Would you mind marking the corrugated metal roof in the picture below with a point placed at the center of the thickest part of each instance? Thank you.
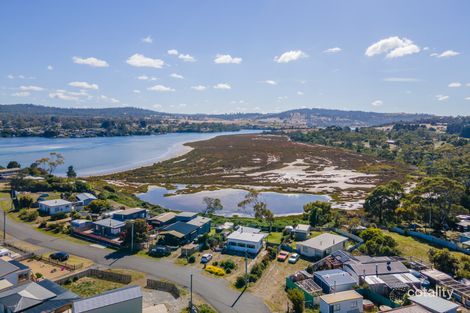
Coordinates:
(85, 196)
(341, 296)
(107, 299)
(54, 203)
(323, 241)
(435, 304)
(336, 276)
(110, 222)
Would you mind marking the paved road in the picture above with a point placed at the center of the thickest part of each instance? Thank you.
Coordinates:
(216, 292)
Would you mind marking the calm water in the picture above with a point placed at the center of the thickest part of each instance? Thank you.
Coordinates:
(278, 203)
(101, 155)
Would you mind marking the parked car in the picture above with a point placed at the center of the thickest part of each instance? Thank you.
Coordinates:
(282, 256)
(293, 258)
(206, 258)
(159, 251)
(59, 256)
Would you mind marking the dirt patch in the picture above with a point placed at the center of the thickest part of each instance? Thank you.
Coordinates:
(47, 270)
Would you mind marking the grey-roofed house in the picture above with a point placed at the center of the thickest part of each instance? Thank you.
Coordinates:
(435, 304)
(86, 198)
(334, 280)
(13, 272)
(45, 296)
(203, 224)
(108, 227)
(301, 232)
(360, 270)
(179, 233)
(130, 214)
(53, 207)
(412, 308)
(322, 245)
(185, 216)
(162, 219)
(123, 300)
(242, 241)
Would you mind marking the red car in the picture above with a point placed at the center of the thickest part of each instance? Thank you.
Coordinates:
(282, 256)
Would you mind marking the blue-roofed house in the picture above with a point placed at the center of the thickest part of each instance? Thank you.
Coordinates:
(85, 198)
(334, 280)
(123, 300)
(435, 304)
(179, 233)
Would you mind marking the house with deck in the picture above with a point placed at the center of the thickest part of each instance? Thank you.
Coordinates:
(53, 207)
(245, 241)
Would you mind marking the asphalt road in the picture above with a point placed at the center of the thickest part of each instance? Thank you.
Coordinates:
(217, 292)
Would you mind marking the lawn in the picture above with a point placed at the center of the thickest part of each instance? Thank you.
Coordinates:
(274, 237)
(89, 286)
(5, 201)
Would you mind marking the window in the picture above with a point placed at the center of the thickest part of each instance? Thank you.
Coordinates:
(354, 304)
(250, 246)
(337, 307)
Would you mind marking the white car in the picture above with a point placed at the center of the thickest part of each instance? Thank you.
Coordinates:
(206, 258)
(293, 258)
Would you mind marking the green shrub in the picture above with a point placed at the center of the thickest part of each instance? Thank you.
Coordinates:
(192, 259)
(297, 298)
(228, 264)
(240, 282)
(28, 215)
(38, 275)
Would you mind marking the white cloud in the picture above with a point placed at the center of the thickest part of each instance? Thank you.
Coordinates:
(84, 85)
(147, 39)
(467, 98)
(21, 94)
(333, 50)
(186, 58)
(445, 54)
(31, 88)
(401, 79)
(393, 47)
(136, 91)
(145, 77)
(455, 85)
(172, 52)
(91, 61)
(290, 56)
(441, 97)
(50, 67)
(270, 82)
(377, 103)
(156, 106)
(139, 60)
(62, 95)
(10, 76)
(109, 99)
(300, 93)
(199, 87)
(160, 88)
(227, 59)
(177, 76)
(222, 86)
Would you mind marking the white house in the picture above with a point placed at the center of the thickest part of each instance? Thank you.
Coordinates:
(321, 246)
(52, 207)
(242, 241)
(13, 273)
(341, 302)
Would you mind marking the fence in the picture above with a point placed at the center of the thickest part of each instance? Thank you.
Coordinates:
(71, 267)
(163, 286)
(431, 239)
(96, 273)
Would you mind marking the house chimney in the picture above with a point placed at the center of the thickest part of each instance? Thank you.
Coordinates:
(377, 270)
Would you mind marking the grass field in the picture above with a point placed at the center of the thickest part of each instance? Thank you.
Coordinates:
(89, 286)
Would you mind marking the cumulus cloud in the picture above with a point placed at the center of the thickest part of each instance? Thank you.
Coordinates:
(222, 86)
(109, 99)
(157, 106)
(177, 76)
(377, 103)
(446, 54)
(441, 97)
(50, 67)
(136, 91)
(84, 85)
(139, 60)
(300, 93)
(393, 47)
(172, 52)
(199, 88)
(401, 79)
(455, 85)
(186, 58)
(227, 59)
(333, 50)
(147, 39)
(62, 95)
(270, 82)
(31, 88)
(160, 88)
(91, 61)
(467, 98)
(145, 77)
(21, 94)
(290, 56)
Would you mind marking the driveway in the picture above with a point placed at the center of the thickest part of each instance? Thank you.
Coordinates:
(217, 292)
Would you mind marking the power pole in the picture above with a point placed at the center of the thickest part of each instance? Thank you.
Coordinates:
(132, 236)
(246, 269)
(191, 293)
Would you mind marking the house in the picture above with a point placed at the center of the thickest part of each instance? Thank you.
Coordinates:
(185, 216)
(123, 300)
(13, 273)
(463, 225)
(202, 223)
(179, 233)
(246, 229)
(130, 214)
(8, 173)
(53, 207)
(413, 308)
(385, 284)
(321, 246)
(341, 302)
(335, 280)
(303, 281)
(108, 227)
(85, 198)
(162, 219)
(301, 232)
(242, 241)
(44, 296)
(435, 304)
(362, 270)
(81, 224)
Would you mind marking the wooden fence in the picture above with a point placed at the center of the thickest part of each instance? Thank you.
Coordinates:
(163, 286)
(96, 273)
(70, 267)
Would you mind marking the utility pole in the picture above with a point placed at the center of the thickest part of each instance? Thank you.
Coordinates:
(246, 269)
(191, 293)
(132, 236)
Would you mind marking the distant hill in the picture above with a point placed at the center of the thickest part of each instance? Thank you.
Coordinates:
(293, 118)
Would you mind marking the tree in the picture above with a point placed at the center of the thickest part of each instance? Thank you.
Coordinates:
(13, 164)
(52, 162)
(384, 200)
(212, 205)
(138, 236)
(71, 172)
(443, 260)
(297, 298)
(318, 212)
(378, 244)
(98, 206)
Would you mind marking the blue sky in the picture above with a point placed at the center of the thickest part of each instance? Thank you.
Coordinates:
(238, 56)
